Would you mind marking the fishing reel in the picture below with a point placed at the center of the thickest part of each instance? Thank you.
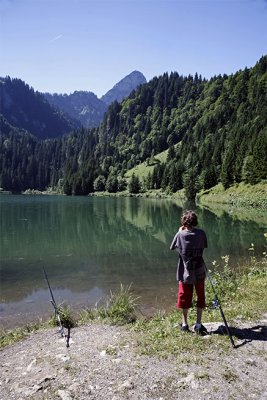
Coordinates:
(215, 304)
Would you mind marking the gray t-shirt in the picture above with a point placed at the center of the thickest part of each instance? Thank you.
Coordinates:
(190, 245)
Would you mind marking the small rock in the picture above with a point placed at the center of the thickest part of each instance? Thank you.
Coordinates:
(126, 385)
(31, 364)
(93, 388)
(46, 379)
(194, 384)
(189, 378)
(62, 357)
(74, 387)
(251, 362)
(30, 392)
(116, 360)
(64, 395)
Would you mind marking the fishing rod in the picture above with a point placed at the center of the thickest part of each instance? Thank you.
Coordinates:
(56, 309)
(216, 303)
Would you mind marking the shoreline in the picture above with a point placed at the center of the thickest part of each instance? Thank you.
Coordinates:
(239, 195)
(243, 196)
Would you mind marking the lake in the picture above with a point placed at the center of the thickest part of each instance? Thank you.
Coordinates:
(90, 245)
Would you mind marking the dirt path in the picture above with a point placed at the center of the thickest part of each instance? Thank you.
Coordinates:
(102, 362)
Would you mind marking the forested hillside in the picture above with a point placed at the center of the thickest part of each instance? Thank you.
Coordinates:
(215, 131)
(27, 109)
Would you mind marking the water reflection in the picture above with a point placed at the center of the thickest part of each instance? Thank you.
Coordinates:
(87, 243)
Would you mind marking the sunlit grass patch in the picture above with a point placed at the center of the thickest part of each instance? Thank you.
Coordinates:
(161, 336)
(119, 309)
(240, 194)
(251, 296)
(10, 336)
(242, 294)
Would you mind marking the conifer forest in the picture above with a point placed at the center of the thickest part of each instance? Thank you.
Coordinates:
(213, 131)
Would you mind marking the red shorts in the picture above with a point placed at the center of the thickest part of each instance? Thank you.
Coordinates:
(185, 294)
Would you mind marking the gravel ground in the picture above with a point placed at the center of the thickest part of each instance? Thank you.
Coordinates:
(104, 362)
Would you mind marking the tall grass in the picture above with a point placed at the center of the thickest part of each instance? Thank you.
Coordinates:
(120, 308)
(66, 316)
(8, 337)
(241, 194)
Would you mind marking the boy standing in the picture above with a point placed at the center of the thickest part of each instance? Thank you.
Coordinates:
(190, 242)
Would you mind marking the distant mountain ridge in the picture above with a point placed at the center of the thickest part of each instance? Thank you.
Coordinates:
(83, 106)
(47, 115)
(87, 108)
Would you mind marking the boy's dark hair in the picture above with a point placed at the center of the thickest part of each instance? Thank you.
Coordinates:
(189, 218)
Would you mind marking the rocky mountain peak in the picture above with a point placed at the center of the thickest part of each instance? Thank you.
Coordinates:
(124, 87)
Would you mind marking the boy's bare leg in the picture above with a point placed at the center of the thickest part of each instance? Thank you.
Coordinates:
(199, 315)
(184, 317)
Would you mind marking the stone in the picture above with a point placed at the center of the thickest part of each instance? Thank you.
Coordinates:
(128, 385)
(31, 364)
(64, 395)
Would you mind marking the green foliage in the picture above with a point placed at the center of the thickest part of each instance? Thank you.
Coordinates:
(191, 183)
(112, 183)
(99, 183)
(247, 170)
(134, 185)
(8, 337)
(120, 308)
(209, 178)
(162, 336)
(225, 282)
(30, 110)
(122, 184)
(239, 195)
(66, 317)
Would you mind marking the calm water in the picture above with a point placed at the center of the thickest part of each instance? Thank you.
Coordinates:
(91, 245)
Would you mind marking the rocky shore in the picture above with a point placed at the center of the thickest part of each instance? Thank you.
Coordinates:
(105, 362)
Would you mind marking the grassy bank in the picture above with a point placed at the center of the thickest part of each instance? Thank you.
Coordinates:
(243, 298)
(241, 194)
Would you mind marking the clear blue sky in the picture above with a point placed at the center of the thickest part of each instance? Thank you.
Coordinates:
(66, 45)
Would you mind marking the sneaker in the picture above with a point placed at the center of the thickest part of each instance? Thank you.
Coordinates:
(201, 330)
(184, 328)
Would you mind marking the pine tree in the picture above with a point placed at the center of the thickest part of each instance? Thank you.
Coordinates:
(134, 184)
(191, 183)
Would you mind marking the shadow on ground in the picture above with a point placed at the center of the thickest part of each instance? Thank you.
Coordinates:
(258, 332)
